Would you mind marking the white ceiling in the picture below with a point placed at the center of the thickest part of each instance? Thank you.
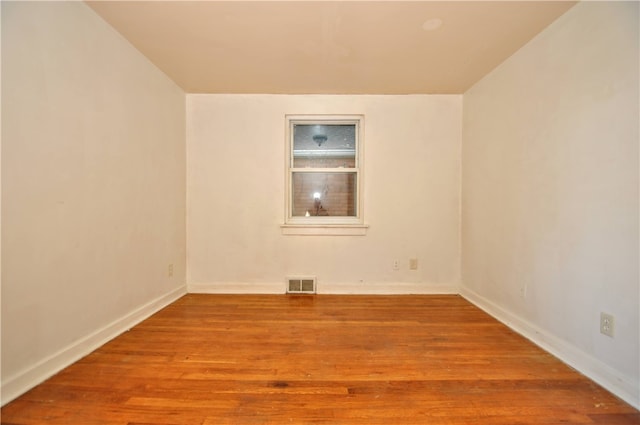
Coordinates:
(328, 47)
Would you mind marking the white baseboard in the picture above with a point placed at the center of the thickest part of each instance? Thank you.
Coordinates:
(20, 383)
(237, 288)
(386, 288)
(603, 374)
(349, 288)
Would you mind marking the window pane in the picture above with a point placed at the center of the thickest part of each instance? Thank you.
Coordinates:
(324, 145)
(324, 194)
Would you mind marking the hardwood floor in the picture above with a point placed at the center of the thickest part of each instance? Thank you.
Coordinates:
(277, 359)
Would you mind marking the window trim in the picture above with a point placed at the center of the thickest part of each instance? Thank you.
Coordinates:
(324, 225)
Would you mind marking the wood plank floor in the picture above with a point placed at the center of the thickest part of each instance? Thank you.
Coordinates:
(277, 359)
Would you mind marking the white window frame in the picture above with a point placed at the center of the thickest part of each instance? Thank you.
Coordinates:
(328, 225)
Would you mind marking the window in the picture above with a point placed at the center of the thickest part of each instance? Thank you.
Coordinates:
(324, 175)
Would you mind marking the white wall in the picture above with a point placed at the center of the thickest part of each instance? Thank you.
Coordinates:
(550, 191)
(235, 190)
(93, 187)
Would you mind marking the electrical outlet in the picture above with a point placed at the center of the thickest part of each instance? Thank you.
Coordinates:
(170, 270)
(606, 324)
(523, 291)
(396, 265)
(413, 264)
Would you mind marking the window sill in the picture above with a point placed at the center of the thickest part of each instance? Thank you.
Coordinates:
(325, 229)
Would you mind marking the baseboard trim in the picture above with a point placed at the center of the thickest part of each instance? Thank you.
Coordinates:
(386, 288)
(596, 370)
(237, 288)
(349, 288)
(22, 382)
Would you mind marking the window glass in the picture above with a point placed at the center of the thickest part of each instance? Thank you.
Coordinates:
(324, 195)
(324, 145)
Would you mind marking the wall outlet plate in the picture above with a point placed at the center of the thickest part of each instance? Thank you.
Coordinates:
(413, 264)
(606, 324)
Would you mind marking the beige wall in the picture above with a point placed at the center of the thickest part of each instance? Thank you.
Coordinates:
(550, 190)
(93, 187)
(235, 187)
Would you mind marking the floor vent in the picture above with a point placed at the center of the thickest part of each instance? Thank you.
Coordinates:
(301, 285)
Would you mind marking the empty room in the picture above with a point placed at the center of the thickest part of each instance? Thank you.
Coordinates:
(320, 212)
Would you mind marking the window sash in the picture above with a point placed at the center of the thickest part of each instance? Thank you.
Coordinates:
(328, 194)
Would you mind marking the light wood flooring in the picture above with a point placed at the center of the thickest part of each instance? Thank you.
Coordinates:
(278, 359)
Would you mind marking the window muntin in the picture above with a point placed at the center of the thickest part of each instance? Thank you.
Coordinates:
(324, 170)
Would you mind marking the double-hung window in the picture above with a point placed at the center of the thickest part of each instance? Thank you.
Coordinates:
(324, 175)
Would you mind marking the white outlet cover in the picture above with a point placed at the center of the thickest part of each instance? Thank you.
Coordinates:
(606, 324)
